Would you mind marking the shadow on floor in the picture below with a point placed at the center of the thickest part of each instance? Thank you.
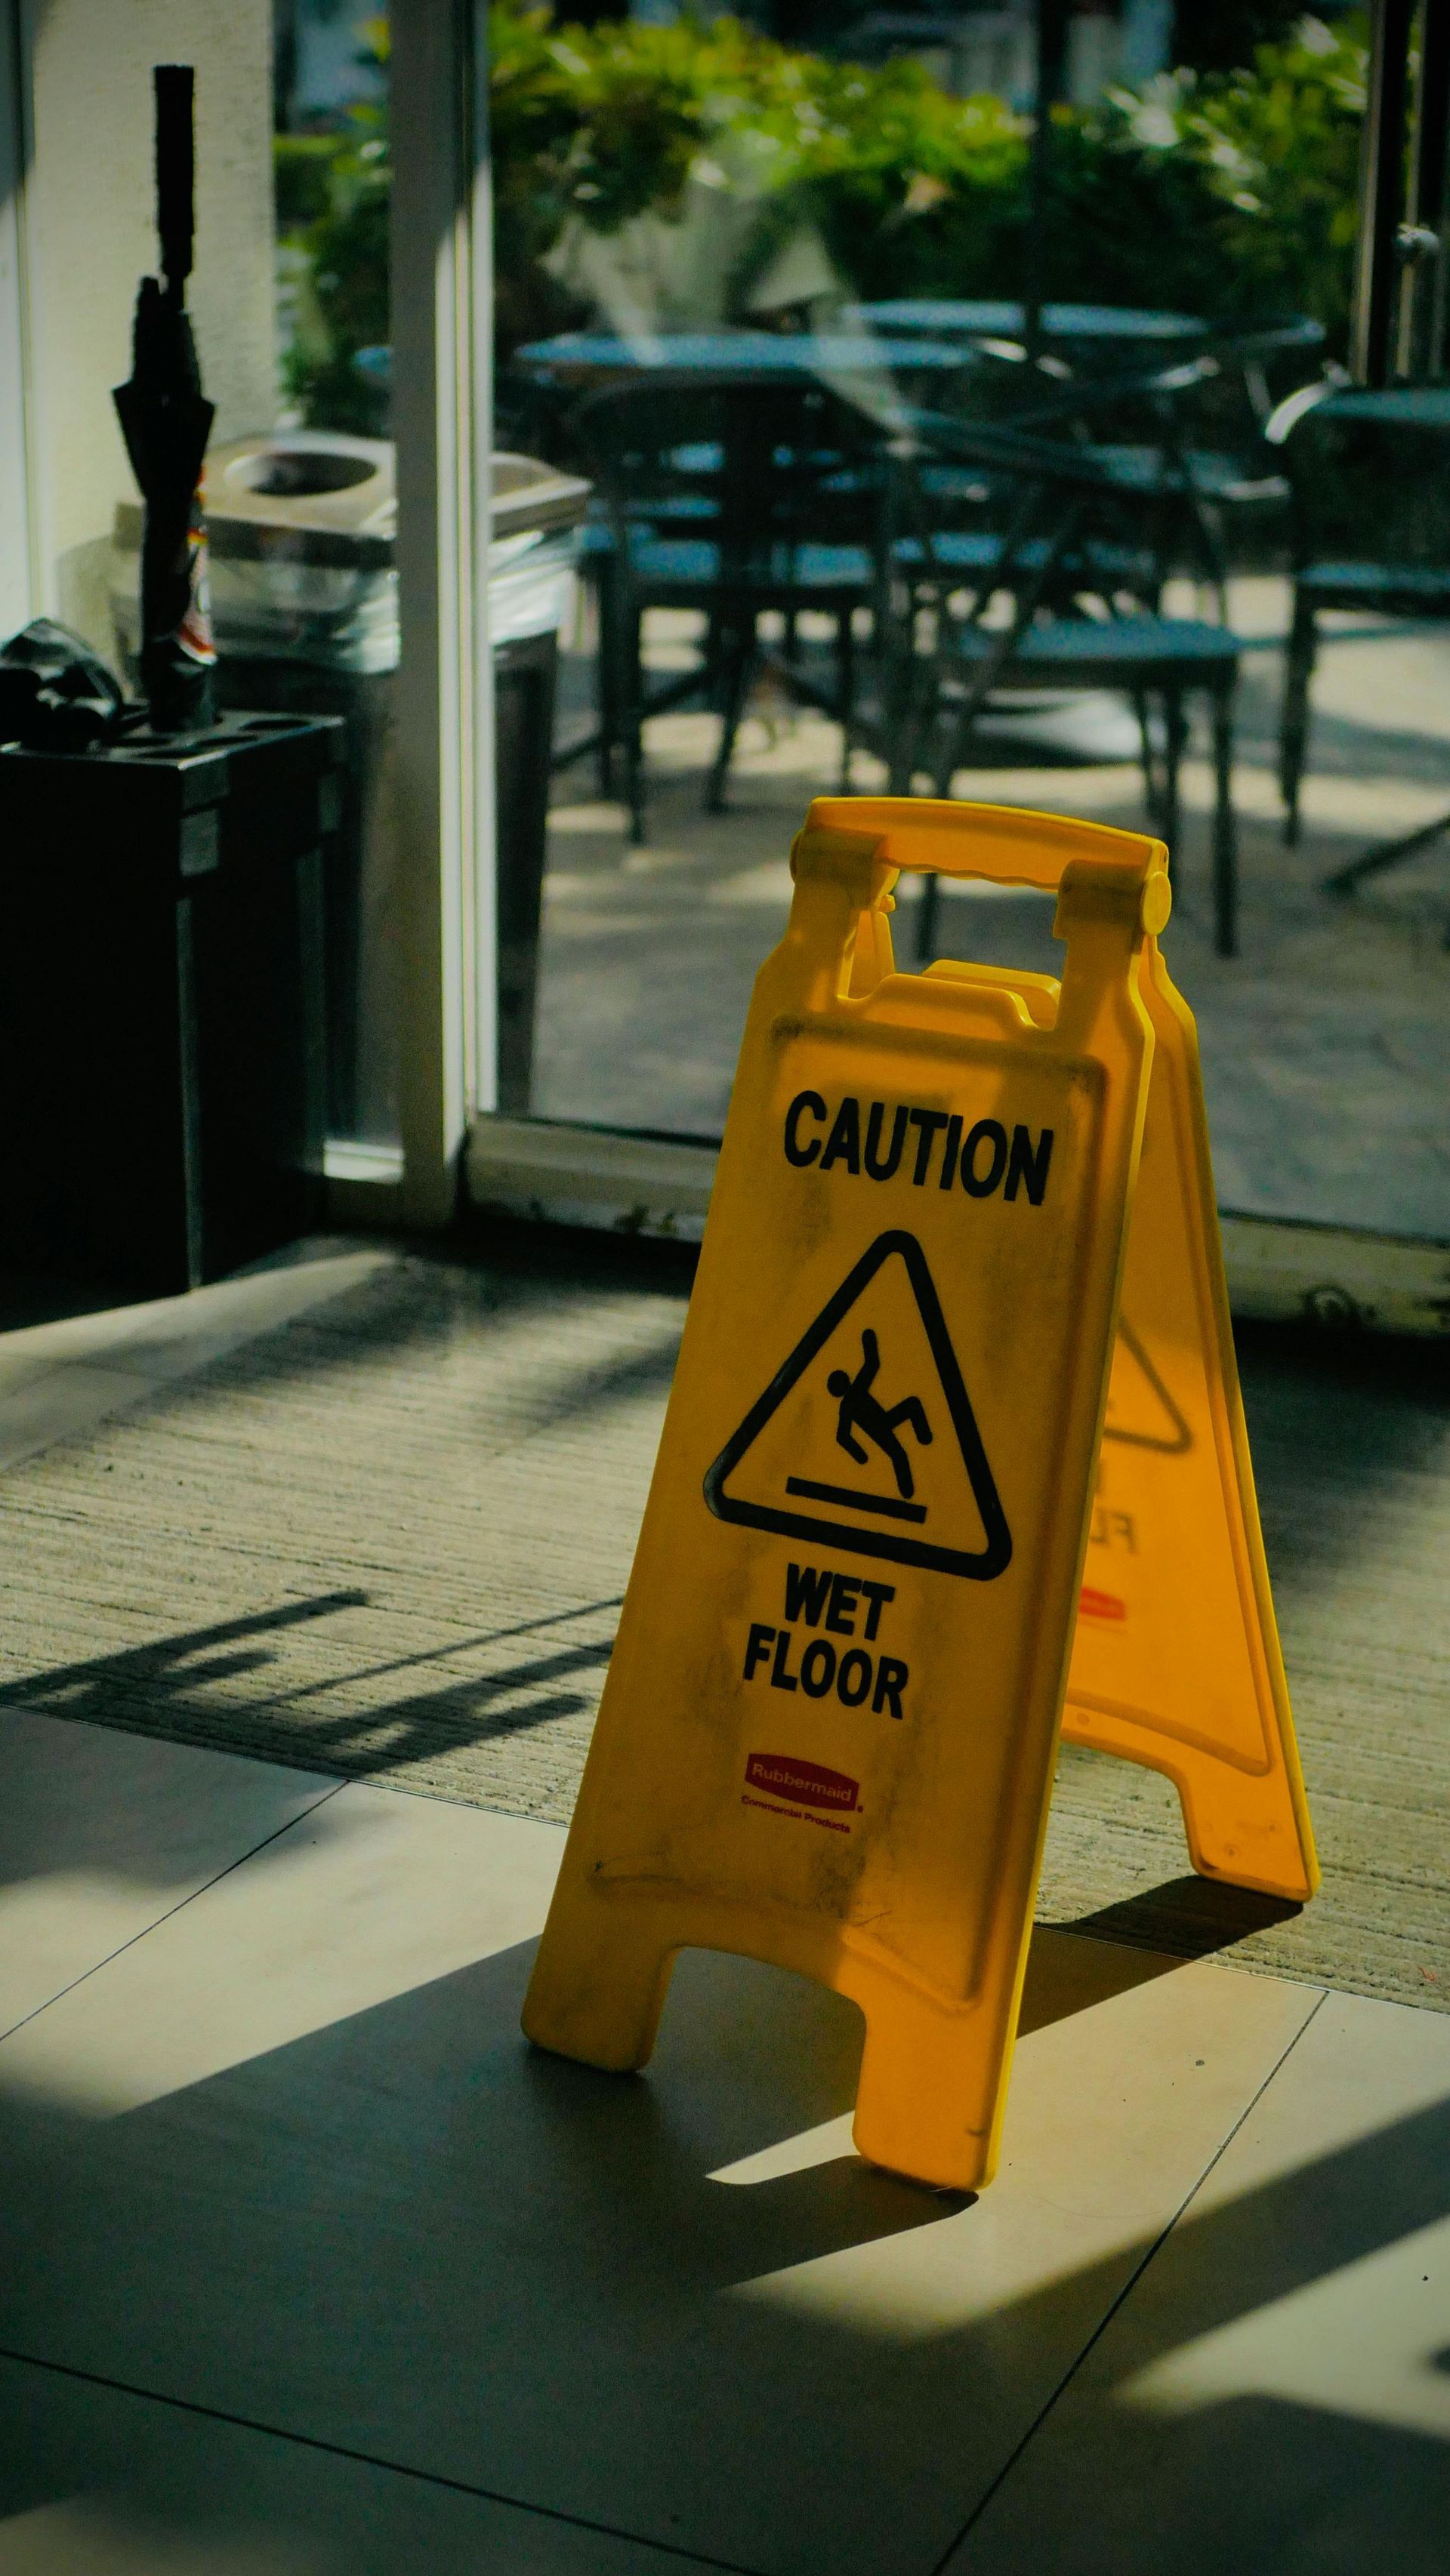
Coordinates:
(1187, 1917)
(408, 2239)
(161, 1689)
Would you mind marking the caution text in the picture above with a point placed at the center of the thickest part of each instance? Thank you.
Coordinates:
(880, 1139)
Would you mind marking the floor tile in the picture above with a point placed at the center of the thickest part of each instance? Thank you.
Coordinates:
(289, 2157)
(102, 1834)
(1274, 2395)
(100, 2482)
(178, 1334)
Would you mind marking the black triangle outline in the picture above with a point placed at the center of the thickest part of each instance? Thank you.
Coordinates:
(1182, 1439)
(988, 1562)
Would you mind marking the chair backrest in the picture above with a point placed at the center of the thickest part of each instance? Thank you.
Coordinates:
(1267, 357)
(761, 470)
(1371, 475)
(1211, 399)
(1027, 505)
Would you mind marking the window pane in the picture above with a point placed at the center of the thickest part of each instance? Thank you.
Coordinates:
(767, 288)
(316, 625)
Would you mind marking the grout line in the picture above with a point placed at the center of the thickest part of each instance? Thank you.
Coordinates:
(374, 2460)
(1135, 2276)
(173, 1910)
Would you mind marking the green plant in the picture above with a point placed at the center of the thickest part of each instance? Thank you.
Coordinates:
(334, 205)
(1272, 156)
(1221, 193)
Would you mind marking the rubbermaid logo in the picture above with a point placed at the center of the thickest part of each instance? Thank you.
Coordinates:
(1101, 1605)
(809, 1783)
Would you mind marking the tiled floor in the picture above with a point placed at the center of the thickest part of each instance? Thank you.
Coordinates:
(309, 2264)
(308, 2267)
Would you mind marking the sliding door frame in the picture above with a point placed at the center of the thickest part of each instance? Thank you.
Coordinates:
(442, 299)
(20, 584)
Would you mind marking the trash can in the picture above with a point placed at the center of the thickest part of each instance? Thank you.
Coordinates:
(162, 1029)
(301, 527)
(305, 612)
(537, 511)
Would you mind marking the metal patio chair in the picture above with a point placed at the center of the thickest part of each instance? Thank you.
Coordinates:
(1370, 473)
(731, 499)
(1188, 435)
(1040, 612)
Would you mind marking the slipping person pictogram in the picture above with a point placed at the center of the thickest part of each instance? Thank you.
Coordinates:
(774, 1472)
(862, 1411)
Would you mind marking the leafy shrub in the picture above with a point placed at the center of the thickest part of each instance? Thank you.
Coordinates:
(1219, 193)
(333, 197)
(1273, 155)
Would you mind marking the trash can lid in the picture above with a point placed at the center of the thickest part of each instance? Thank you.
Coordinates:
(529, 496)
(314, 496)
(321, 496)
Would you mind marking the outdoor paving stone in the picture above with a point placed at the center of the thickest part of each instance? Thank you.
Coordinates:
(1326, 1042)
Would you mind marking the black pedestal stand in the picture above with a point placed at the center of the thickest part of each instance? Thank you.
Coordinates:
(162, 1009)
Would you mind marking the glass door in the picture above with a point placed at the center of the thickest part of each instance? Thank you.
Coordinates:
(750, 267)
(15, 533)
(303, 517)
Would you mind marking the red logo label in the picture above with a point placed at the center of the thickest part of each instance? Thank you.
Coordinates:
(1101, 1605)
(808, 1783)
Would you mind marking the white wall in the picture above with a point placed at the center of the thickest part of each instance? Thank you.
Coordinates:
(86, 68)
(15, 564)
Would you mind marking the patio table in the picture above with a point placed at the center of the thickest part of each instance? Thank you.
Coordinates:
(997, 317)
(1104, 335)
(579, 358)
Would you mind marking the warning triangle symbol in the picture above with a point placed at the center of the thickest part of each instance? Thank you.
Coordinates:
(1140, 1409)
(865, 1438)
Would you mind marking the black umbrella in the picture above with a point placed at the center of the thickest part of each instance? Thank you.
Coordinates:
(166, 421)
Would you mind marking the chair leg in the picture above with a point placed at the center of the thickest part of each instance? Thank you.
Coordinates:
(905, 688)
(1176, 732)
(926, 913)
(606, 625)
(1225, 831)
(633, 726)
(903, 727)
(1151, 802)
(738, 658)
(901, 766)
(845, 691)
(1215, 559)
(1294, 720)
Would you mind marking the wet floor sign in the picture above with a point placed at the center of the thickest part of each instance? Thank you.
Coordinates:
(955, 1458)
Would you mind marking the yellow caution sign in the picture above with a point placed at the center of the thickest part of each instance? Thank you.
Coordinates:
(1176, 1659)
(922, 1486)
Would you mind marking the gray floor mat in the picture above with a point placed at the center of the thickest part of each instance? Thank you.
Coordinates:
(390, 1540)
